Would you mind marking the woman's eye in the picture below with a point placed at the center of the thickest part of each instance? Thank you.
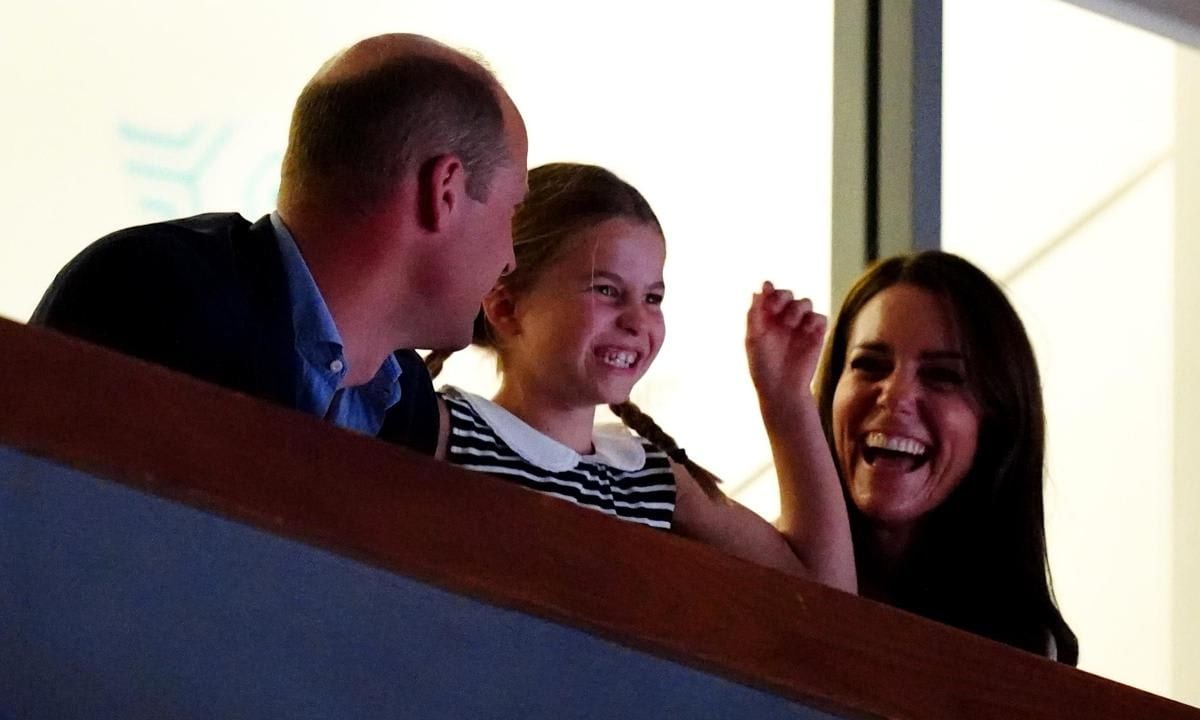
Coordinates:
(945, 377)
(654, 298)
(605, 290)
(870, 366)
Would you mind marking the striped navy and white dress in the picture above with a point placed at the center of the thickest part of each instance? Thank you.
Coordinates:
(626, 477)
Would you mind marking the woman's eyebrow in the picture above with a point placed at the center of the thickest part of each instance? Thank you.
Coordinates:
(873, 346)
(941, 355)
(884, 348)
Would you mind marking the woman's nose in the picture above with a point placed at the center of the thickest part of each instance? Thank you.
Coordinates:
(899, 392)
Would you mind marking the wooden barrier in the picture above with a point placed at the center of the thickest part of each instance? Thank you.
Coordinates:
(135, 490)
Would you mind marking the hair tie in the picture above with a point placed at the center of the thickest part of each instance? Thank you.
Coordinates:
(679, 455)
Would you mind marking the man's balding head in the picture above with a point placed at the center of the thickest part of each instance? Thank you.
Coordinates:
(376, 112)
(374, 52)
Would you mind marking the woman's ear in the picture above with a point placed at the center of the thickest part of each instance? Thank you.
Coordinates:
(500, 308)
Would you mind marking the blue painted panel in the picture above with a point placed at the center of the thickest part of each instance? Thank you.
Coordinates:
(118, 604)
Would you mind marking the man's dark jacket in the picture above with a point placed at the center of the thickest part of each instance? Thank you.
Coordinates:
(207, 296)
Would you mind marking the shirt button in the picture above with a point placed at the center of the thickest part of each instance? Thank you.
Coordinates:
(337, 365)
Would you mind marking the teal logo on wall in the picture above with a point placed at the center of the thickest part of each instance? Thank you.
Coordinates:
(204, 167)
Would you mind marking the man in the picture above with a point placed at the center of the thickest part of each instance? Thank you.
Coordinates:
(405, 161)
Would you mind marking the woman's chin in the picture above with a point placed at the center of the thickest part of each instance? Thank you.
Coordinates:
(890, 497)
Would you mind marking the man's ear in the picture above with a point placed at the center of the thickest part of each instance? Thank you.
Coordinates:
(500, 308)
(442, 190)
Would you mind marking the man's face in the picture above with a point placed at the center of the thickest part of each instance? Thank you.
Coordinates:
(484, 249)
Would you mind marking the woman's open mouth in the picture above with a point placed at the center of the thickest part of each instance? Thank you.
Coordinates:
(877, 446)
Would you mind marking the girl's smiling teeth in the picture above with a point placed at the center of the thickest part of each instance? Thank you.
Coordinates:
(621, 359)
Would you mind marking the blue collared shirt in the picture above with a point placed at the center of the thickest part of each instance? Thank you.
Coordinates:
(319, 346)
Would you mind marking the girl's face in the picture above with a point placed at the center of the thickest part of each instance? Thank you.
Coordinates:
(591, 325)
(905, 420)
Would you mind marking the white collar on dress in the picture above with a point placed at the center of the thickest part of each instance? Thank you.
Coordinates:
(614, 445)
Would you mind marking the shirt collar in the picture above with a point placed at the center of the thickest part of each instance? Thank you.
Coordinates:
(317, 338)
(613, 444)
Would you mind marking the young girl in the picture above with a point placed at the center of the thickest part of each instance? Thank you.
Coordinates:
(576, 324)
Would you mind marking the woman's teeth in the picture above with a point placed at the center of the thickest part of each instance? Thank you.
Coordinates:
(878, 445)
(907, 446)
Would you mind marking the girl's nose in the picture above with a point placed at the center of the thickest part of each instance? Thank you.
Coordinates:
(633, 318)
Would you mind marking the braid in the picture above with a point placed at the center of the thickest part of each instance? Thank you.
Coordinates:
(644, 425)
(435, 360)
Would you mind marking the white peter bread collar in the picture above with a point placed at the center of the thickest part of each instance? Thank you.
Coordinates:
(613, 444)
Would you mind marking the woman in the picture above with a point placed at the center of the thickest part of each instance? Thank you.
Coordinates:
(930, 399)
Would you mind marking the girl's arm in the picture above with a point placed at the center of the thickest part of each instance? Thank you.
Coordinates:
(812, 540)
(731, 527)
(783, 343)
